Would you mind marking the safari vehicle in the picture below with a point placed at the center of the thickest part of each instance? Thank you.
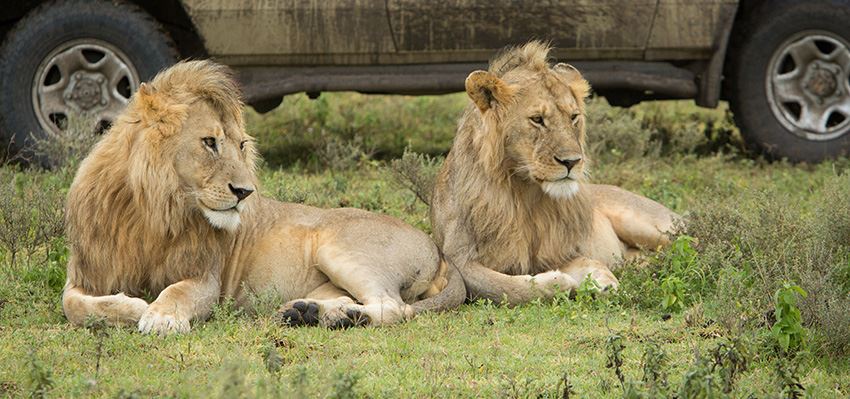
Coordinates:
(783, 65)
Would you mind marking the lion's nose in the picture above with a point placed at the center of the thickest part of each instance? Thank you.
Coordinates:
(239, 192)
(568, 162)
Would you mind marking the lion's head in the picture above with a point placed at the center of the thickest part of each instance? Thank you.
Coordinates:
(534, 119)
(194, 148)
(157, 197)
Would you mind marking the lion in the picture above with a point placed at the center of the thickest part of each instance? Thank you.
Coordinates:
(166, 205)
(510, 206)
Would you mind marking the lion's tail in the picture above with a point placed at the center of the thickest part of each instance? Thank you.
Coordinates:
(447, 290)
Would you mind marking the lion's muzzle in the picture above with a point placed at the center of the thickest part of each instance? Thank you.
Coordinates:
(240, 192)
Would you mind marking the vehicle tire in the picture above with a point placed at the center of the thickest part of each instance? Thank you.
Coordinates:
(789, 79)
(75, 57)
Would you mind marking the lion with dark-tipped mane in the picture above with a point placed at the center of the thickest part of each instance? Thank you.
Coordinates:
(165, 206)
(511, 207)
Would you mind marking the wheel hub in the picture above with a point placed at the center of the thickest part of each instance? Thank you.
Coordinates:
(821, 79)
(87, 91)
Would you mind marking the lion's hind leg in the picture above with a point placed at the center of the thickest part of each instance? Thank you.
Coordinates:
(377, 275)
(328, 306)
(117, 309)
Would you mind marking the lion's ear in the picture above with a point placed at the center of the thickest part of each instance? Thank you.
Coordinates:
(145, 90)
(579, 86)
(569, 71)
(487, 90)
(158, 111)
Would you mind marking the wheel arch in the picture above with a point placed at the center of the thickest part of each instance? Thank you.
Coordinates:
(740, 29)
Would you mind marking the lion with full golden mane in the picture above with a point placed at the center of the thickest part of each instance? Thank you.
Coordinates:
(164, 205)
(510, 206)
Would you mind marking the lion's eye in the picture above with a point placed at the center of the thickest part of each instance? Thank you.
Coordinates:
(210, 143)
(242, 144)
(574, 117)
(537, 119)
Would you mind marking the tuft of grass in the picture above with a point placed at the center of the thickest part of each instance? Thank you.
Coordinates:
(31, 218)
(337, 154)
(67, 147)
(417, 173)
(344, 386)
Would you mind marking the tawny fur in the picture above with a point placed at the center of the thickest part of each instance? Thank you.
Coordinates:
(503, 203)
(153, 212)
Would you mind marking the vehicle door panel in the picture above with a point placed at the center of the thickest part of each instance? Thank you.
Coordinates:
(592, 29)
(287, 27)
(689, 29)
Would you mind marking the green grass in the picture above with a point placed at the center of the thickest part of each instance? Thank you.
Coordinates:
(336, 151)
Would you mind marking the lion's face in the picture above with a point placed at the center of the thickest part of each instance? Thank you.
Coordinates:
(540, 123)
(214, 165)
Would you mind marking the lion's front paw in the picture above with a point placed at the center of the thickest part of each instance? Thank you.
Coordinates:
(605, 280)
(155, 321)
(553, 281)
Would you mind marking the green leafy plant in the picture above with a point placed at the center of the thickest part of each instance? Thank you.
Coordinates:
(40, 377)
(655, 365)
(700, 382)
(615, 347)
(788, 329)
(730, 359)
(564, 389)
(788, 379)
(673, 294)
(683, 255)
(587, 291)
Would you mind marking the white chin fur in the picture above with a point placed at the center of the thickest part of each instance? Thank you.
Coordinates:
(227, 220)
(561, 189)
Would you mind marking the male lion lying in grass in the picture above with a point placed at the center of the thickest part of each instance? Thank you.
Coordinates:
(163, 205)
(510, 208)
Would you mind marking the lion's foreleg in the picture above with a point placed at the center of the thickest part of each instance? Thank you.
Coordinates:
(180, 303)
(117, 309)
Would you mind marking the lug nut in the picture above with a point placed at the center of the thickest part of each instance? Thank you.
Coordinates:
(102, 102)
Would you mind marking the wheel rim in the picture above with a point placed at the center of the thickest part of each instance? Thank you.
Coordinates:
(808, 84)
(87, 77)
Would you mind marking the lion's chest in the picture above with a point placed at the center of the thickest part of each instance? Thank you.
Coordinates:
(153, 265)
(531, 245)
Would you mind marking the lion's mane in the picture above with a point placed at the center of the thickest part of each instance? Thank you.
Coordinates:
(129, 225)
